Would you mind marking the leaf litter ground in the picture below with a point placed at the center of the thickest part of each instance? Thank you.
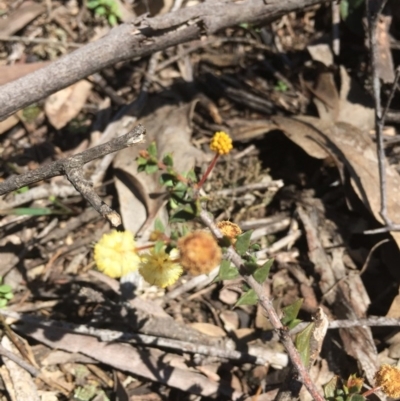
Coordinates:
(307, 197)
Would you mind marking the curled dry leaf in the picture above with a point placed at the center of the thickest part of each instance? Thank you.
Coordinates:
(61, 107)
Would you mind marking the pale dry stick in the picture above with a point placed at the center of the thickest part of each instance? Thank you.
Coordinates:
(38, 41)
(370, 321)
(266, 304)
(139, 38)
(19, 361)
(196, 282)
(72, 166)
(374, 9)
(256, 355)
(257, 186)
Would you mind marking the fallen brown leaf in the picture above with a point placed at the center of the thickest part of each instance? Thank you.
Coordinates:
(19, 18)
(9, 73)
(64, 105)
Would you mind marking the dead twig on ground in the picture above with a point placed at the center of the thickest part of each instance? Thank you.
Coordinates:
(374, 9)
(139, 38)
(72, 168)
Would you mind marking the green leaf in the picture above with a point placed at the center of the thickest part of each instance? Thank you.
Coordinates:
(180, 186)
(183, 214)
(243, 242)
(141, 161)
(168, 160)
(159, 226)
(3, 302)
(248, 298)
(191, 175)
(8, 296)
(290, 312)
(355, 397)
(5, 288)
(151, 168)
(92, 4)
(100, 11)
(22, 190)
(227, 271)
(167, 179)
(255, 247)
(112, 19)
(262, 272)
(152, 149)
(29, 211)
(158, 246)
(330, 387)
(251, 267)
(303, 343)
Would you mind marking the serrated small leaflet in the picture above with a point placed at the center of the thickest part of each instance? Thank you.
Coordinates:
(243, 242)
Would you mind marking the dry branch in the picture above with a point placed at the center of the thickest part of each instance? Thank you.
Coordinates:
(71, 167)
(302, 373)
(139, 38)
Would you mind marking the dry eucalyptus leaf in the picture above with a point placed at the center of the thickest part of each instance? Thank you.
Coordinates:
(141, 196)
(61, 107)
(356, 150)
(9, 73)
(352, 104)
(208, 329)
(347, 144)
(21, 17)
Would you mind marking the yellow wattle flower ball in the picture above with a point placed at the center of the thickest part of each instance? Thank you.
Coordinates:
(115, 254)
(388, 378)
(160, 268)
(221, 143)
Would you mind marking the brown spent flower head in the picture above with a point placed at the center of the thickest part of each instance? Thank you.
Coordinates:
(388, 378)
(199, 252)
(229, 229)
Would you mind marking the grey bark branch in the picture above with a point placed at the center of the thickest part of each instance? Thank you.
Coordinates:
(139, 38)
(302, 373)
(71, 167)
